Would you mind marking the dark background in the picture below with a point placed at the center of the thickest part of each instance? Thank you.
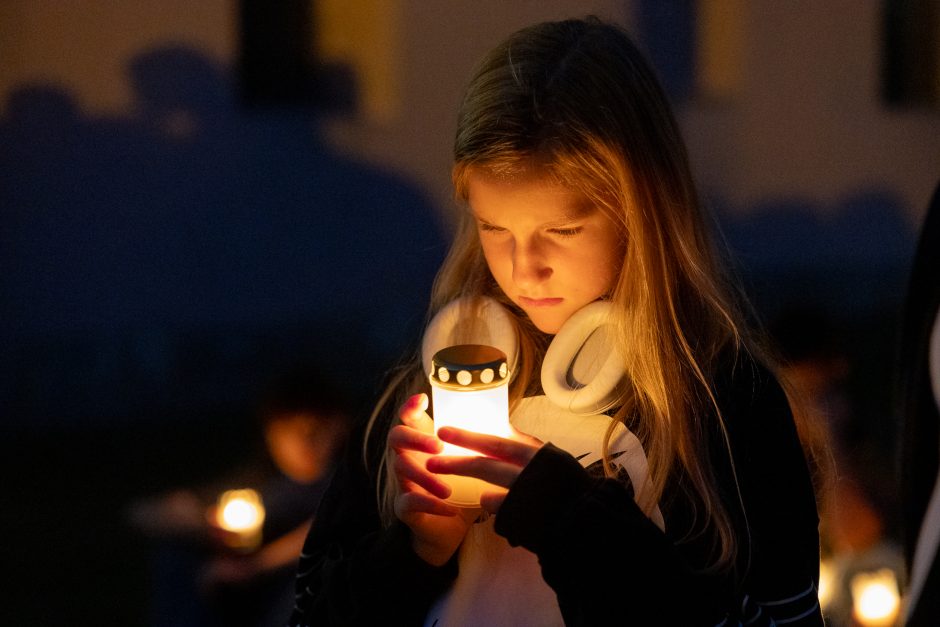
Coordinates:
(157, 268)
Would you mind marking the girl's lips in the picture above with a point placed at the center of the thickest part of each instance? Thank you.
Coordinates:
(540, 302)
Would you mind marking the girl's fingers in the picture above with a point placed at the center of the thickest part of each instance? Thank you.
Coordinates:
(416, 502)
(409, 470)
(406, 438)
(497, 472)
(512, 451)
(526, 438)
(414, 413)
(417, 462)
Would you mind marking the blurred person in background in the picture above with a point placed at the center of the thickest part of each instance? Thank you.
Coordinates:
(205, 573)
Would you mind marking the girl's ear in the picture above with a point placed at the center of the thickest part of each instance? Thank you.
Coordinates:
(461, 322)
(583, 370)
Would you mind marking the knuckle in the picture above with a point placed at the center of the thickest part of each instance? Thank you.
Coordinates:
(396, 434)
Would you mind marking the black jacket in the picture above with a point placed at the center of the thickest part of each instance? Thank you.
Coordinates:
(607, 562)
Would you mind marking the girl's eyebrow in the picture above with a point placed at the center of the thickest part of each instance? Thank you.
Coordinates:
(566, 220)
(576, 211)
(476, 216)
(581, 208)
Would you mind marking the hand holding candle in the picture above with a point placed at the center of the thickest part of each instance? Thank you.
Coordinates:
(482, 465)
(497, 461)
(481, 452)
(437, 528)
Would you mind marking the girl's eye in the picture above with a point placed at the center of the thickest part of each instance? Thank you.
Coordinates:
(570, 232)
(490, 228)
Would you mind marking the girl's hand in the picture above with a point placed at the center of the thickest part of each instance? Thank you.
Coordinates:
(502, 463)
(437, 528)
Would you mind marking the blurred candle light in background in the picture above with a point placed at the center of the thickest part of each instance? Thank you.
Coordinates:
(241, 513)
(826, 583)
(876, 598)
(470, 390)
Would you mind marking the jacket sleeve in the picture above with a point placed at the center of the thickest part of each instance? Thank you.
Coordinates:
(781, 572)
(355, 571)
(607, 561)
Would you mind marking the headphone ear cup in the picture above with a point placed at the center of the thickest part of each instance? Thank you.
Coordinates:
(576, 349)
(471, 321)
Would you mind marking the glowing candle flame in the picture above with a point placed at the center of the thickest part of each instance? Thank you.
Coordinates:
(241, 512)
(876, 599)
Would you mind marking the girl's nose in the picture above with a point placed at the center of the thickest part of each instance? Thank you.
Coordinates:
(529, 266)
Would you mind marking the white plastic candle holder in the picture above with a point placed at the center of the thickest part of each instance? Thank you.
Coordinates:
(469, 390)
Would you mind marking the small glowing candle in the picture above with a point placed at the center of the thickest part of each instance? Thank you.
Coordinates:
(241, 513)
(876, 599)
(470, 390)
(826, 584)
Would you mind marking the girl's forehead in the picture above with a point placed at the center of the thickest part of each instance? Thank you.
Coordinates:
(512, 169)
(532, 195)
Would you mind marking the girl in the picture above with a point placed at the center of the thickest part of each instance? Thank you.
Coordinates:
(680, 494)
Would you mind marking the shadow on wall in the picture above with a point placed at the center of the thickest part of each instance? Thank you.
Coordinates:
(153, 261)
(851, 260)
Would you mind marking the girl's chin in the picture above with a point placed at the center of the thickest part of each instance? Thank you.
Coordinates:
(546, 324)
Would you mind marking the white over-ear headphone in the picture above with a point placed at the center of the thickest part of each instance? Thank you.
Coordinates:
(582, 371)
(490, 324)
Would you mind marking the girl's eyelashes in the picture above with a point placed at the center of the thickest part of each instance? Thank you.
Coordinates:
(567, 232)
(558, 232)
(492, 228)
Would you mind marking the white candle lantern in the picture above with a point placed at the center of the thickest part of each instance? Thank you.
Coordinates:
(469, 390)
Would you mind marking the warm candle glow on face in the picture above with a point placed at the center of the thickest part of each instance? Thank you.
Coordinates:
(876, 599)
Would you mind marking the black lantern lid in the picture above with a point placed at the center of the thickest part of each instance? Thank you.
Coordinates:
(469, 367)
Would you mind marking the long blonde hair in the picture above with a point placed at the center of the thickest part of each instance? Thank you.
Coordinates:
(578, 98)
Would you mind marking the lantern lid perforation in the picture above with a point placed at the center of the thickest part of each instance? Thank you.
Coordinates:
(469, 367)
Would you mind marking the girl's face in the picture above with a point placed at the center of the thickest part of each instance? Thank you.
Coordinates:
(549, 248)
